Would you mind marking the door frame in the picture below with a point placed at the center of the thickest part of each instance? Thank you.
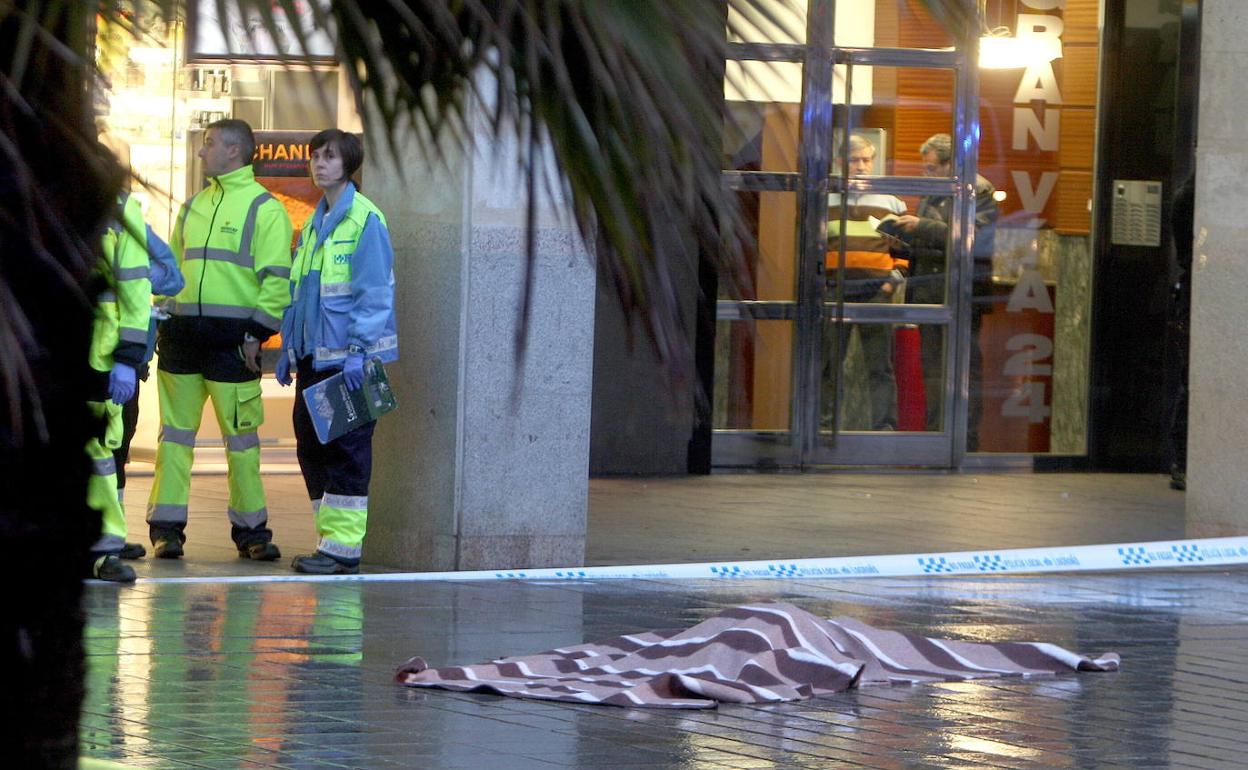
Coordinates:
(804, 444)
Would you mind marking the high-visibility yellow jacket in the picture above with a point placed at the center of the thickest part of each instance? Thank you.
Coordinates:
(342, 287)
(123, 310)
(232, 241)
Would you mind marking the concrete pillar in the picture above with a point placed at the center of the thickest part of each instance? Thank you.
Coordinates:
(483, 465)
(1217, 486)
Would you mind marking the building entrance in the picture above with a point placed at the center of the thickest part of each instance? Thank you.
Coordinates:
(848, 339)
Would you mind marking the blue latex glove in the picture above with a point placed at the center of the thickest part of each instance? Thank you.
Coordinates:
(353, 371)
(122, 381)
(282, 370)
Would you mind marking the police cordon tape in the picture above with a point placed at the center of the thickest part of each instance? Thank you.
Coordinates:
(1163, 554)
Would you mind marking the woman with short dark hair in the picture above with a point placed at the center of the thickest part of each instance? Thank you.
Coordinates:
(341, 319)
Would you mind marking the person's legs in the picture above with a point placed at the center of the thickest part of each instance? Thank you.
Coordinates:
(833, 354)
(932, 359)
(129, 423)
(121, 456)
(975, 394)
(339, 471)
(1178, 434)
(102, 496)
(308, 447)
(1176, 366)
(342, 518)
(181, 407)
(240, 413)
(877, 352)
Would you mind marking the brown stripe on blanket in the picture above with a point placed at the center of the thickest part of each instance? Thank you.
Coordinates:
(762, 653)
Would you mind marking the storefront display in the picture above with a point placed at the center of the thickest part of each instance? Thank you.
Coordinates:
(248, 35)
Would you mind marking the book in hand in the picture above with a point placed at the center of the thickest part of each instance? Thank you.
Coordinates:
(336, 411)
(889, 224)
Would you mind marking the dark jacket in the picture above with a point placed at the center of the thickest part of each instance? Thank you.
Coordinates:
(930, 238)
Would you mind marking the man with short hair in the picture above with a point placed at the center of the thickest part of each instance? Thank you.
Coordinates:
(232, 241)
(875, 268)
(927, 233)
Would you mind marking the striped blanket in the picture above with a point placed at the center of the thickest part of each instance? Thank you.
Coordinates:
(760, 653)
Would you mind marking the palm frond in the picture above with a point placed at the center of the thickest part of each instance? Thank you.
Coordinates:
(54, 198)
(625, 94)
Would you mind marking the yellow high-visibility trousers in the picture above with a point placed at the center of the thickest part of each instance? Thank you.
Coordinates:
(102, 485)
(240, 413)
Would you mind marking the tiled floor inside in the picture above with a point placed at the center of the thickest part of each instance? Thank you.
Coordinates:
(214, 674)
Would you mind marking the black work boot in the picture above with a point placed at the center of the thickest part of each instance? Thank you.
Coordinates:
(259, 552)
(1178, 477)
(167, 547)
(109, 567)
(132, 551)
(323, 564)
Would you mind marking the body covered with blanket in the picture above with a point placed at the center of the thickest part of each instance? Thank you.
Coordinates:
(763, 653)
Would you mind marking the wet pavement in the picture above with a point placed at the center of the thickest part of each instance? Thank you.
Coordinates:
(299, 675)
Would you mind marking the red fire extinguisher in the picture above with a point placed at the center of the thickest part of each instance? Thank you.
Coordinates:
(908, 369)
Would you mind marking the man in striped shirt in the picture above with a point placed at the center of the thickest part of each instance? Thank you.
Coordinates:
(874, 266)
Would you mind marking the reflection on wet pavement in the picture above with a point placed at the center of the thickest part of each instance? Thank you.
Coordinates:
(299, 675)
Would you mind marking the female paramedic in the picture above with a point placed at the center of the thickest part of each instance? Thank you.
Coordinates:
(341, 316)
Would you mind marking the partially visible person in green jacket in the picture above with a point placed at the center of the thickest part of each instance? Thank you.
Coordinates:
(232, 241)
(118, 344)
(167, 281)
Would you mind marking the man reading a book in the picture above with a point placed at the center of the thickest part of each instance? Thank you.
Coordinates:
(867, 264)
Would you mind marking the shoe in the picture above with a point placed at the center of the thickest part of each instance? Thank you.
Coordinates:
(1178, 478)
(110, 568)
(167, 548)
(323, 564)
(259, 552)
(132, 551)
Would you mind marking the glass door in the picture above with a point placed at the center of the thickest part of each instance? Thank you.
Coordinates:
(850, 153)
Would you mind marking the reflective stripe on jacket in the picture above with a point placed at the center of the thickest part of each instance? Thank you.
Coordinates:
(232, 241)
(123, 310)
(342, 285)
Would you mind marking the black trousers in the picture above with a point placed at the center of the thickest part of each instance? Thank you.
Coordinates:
(341, 467)
(129, 423)
(876, 341)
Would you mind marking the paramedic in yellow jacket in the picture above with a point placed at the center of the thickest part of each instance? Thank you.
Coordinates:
(232, 241)
(118, 346)
(341, 318)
